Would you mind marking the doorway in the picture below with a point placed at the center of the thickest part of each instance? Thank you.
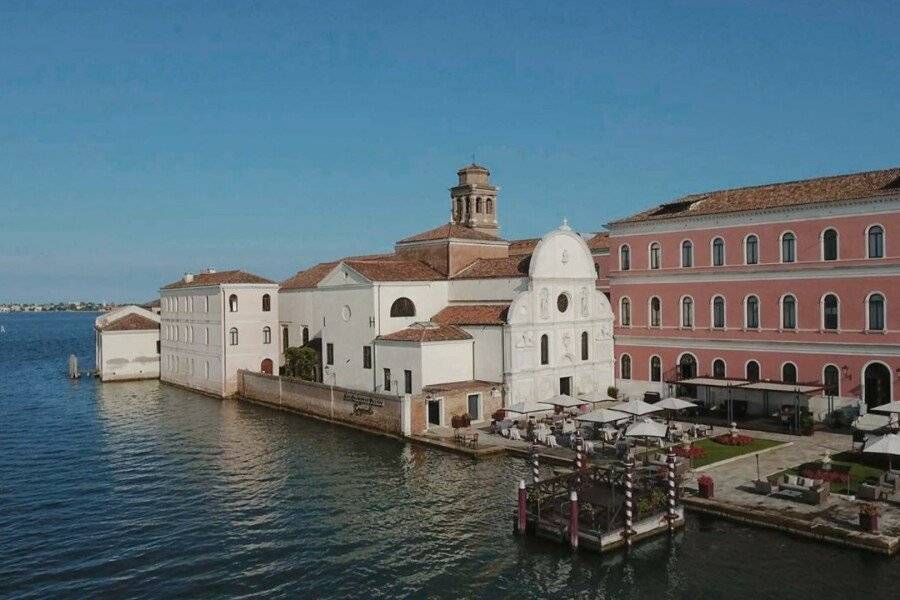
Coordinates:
(565, 386)
(687, 369)
(266, 366)
(877, 382)
(434, 412)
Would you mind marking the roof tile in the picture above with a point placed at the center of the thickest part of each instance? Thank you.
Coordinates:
(450, 230)
(217, 278)
(473, 314)
(130, 322)
(427, 332)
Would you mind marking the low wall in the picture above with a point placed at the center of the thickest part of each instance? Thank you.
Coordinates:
(378, 412)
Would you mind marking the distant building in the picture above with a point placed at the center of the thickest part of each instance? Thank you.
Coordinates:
(789, 282)
(214, 323)
(153, 306)
(127, 344)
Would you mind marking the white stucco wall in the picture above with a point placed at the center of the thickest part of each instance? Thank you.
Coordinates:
(444, 362)
(488, 352)
(128, 355)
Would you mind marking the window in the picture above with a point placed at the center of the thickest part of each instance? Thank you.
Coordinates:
(876, 312)
(719, 312)
(751, 250)
(687, 253)
(233, 336)
(459, 209)
(788, 247)
(789, 312)
(718, 252)
(829, 245)
(752, 312)
(329, 353)
(655, 255)
(719, 368)
(585, 345)
(625, 312)
(285, 337)
(232, 303)
(387, 380)
(267, 335)
(206, 336)
(876, 241)
(655, 369)
(206, 304)
(625, 258)
(305, 335)
(407, 382)
(789, 373)
(489, 206)
(403, 307)
(830, 312)
(545, 350)
(832, 381)
(206, 369)
(655, 316)
(367, 357)
(687, 312)
(562, 303)
(752, 371)
(190, 304)
(473, 402)
(266, 303)
(158, 349)
(477, 205)
(625, 367)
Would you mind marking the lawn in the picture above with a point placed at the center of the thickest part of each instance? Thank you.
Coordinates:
(716, 451)
(861, 467)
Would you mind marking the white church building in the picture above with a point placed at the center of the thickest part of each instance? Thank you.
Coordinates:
(457, 318)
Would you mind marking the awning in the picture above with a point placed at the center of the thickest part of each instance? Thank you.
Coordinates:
(771, 386)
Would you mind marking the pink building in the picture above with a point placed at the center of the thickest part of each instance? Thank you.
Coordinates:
(792, 282)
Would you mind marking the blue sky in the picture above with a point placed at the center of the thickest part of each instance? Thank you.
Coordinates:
(142, 140)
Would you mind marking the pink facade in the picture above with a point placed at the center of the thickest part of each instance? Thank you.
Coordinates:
(851, 339)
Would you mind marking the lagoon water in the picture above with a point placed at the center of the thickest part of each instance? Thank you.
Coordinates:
(139, 490)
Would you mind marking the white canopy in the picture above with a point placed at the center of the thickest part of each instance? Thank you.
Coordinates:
(604, 415)
(526, 407)
(884, 444)
(595, 397)
(563, 400)
(647, 428)
(871, 422)
(636, 407)
(890, 407)
(674, 404)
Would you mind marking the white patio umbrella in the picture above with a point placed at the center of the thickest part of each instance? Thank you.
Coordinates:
(637, 408)
(595, 397)
(564, 401)
(890, 407)
(646, 428)
(603, 415)
(885, 444)
(674, 404)
(526, 407)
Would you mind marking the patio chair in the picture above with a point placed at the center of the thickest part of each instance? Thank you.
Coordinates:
(551, 441)
(589, 448)
(504, 433)
(515, 435)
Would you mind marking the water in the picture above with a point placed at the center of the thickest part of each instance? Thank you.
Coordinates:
(137, 490)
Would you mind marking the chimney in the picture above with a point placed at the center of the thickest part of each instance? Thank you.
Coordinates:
(188, 277)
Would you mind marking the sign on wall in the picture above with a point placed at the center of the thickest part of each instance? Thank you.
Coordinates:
(363, 403)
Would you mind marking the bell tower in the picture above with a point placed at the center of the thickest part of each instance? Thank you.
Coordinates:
(473, 201)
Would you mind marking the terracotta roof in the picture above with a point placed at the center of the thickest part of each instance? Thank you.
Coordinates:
(600, 241)
(450, 230)
(311, 277)
(427, 332)
(473, 314)
(519, 247)
(484, 268)
(808, 191)
(394, 270)
(131, 322)
(219, 277)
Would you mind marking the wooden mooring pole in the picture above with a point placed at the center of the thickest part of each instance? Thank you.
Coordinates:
(573, 519)
(671, 490)
(523, 507)
(629, 500)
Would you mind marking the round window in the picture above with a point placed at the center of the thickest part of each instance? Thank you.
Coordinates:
(562, 303)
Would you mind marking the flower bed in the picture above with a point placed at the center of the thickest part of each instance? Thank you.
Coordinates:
(733, 440)
(692, 452)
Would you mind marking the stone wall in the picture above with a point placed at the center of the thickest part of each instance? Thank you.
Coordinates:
(378, 412)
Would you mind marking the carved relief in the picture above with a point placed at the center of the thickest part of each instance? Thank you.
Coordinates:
(606, 330)
(565, 257)
(584, 303)
(545, 303)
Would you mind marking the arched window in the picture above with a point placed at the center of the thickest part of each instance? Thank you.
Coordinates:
(585, 345)
(687, 253)
(832, 379)
(625, 312)
(459, 209)
(752, 371)
(545, 350)
(719, 368)
(468, 207)
(655, 255)
(233, 336)
(489, 206)
(687, 312)
(403, 307)
(789, 312)
(655, 369)
(232, 303)
(752, 321)
(788, 247)
(625, 367)
(267, 335)
(655, 312)
(478, 205)
(718, 312)
(751, 250)
(876, 241)
(285, 338)
(718, 252)
(876, 312)
(789, 373)
(829, 244)
(305, 335)
(625, 258)
(266, 303)
(830, 319)
(687, 366)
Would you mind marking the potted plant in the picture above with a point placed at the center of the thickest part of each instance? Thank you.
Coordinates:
(613, 391)
(499, 414)
(868, 517)
(806, 424)
(460, 421)
(707, 486)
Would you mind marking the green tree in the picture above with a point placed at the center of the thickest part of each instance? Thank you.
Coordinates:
(301, 362)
